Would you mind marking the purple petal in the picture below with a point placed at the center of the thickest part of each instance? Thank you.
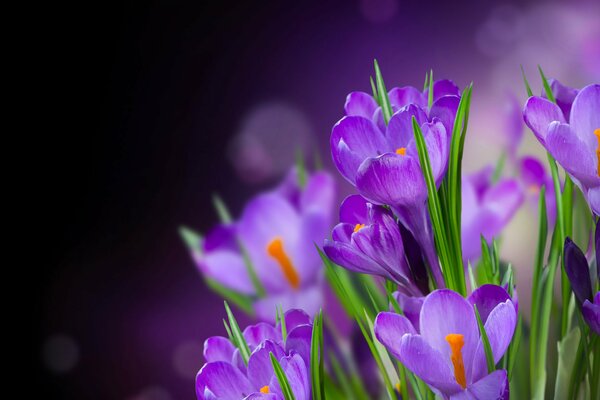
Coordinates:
(499, 327)
(260, 368)
(445, 312)
(585, 115)
(218, 348)
(577, 269)
(256, 334)
(351, 258)
(399, 132)
(309, 299)
(411, 307)
(486, 298)
(502, 200)
(389, 327)
(353, 139)
(438, 147)
(392, 179)
(297, 375)
(443, 87)
(597, 240)
(222, 237)
(563, 95)
(593, 197)
(445, 109)
(227, 268)
(295, 317)
(354, 210)
(299, 340)
(533, 172)
(538, 115)
(319, 194)
(222, 380)
(573, 154)
(360, 104)
(591, 313)
(403, 96)
(493, 386)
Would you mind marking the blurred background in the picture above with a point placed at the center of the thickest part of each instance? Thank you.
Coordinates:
(170, 102)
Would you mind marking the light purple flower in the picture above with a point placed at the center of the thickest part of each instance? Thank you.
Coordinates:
(513, 128)
(486, 209)
(368, 240)
(447, 352)
(533, 176)
(277, 230)
(573, 137)
(225, 376)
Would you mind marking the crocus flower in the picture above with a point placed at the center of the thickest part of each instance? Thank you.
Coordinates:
(578, 271)
(573, 137)
(225, 376)
(513, 127)
(533, 176)
(277, 231)
(447, 352)
(487, 208)
(368, 240)
(382, 161)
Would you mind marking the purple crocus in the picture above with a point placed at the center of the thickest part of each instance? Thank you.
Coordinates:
(533, 176)
(382, 161)
(368, 240)
(225, 376)
(487, 208)
(570, 131)
(277, 230)
(447, 352)
(578, 271)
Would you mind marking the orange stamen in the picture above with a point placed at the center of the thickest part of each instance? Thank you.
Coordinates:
(358, 227)
(275, 250)
(401, 151)
(456, 342)
(597, 133)
(265, 389)
(533, 188)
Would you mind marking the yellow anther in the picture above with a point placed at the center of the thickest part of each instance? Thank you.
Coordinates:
(358, 227)
(401, 151)
(533, 188)
(275, 250)
(456, 342)
(398, 387)
(265, 389)
(597, 133)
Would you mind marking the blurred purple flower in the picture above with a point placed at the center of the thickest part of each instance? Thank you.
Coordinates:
(225, 376)
(513, 127)
(574, 144)
(277, 230)
(533, 176)
(368, 240)
(486, 209)
(382, 161)
(447, 351)
(578, 271)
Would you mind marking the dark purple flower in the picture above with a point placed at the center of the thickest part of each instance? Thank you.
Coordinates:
(573, 139)
(278, 230)
(486, 209)
(226, 377)
(578, 271)
(447, 352)
(368, 240)
(533, 176)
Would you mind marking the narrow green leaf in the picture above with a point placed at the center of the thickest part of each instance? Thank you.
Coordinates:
(221, 209)
(430, 94)
(258, 286)
(281, 318)
(286, 389)
(386, 106)
(527, 87)
(513, 348)
(316, 358)
(567, 355)
(192, 240)
(374, 90)
(426, 83)
(237, 335)
(241, 301)
(301, 168)
(499, 167)
(489, 357)
(546, 85)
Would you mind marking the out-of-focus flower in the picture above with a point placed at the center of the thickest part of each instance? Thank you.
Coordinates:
(225, 375)
(382, 161)
(486, 209)
(368, 240)
(578, 271)
(447, 352)
(574, 144)
(513, 128)
(277, 231)
(533, 176)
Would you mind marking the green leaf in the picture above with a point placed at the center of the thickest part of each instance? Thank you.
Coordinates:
(374, 90)
(426, 83)
(567, 354)
(192, 240)
(221, 209)
(301, 168)
(499, 167)
(242, 301)
(236, 334)
(430, 94)
(527, 87)
(489, 357)
(386, 106)
(286, 389)
(547, 88)
(281, 319)
(258, 286)
(316, 358)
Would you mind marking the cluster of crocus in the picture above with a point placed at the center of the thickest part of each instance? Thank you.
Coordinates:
(274, 240)
(414, 260)
(227, 376)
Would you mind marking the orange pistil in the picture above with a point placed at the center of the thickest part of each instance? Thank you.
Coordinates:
(533, 188)
(456, 342)
(401, 151)
(275, 250)
(597, 133)
(358, 227)
(265, 389)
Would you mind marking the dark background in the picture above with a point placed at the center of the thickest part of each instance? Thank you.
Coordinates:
(137, 109)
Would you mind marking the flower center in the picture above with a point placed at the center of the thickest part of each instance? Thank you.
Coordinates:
(265, 389)
(275, 250)
(533, 188)
(456, 342)
(358, 227)
(401, 151)
(597, 133)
